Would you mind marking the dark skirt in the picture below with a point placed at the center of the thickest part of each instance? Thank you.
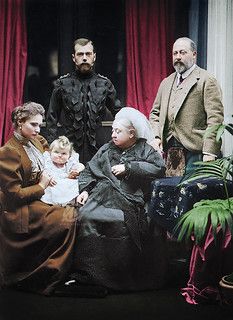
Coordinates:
(106, 254)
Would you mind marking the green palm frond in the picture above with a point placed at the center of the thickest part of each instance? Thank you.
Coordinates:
(220, 132)
(217, 169)
(217, 130)
(229, 128)
(196, 221)
(204, 213)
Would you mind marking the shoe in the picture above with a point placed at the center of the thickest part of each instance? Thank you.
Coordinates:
(227, 289)
(227, 281)
(74, 289)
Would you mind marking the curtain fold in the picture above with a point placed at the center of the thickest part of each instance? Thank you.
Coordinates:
(149, 39)
(13, 60)
(219, 57)
(198, 19)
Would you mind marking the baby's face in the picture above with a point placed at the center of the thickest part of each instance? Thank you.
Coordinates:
(60, 155)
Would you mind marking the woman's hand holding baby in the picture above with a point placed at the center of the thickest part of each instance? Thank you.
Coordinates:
(46, 180)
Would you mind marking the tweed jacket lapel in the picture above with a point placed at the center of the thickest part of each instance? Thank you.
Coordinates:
(185, 87)
(167, 94)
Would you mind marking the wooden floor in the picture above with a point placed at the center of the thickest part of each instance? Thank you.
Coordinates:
(164, 304)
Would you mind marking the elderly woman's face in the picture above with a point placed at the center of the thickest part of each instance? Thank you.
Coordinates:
(31, 127)
(121, 136)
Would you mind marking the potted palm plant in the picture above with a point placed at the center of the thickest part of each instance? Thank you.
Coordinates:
(208, 223)
(218, 211)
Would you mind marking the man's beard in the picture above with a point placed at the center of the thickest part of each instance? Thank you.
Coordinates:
(85, 68)
(179, 67)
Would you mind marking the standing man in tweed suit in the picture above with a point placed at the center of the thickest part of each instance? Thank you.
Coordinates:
(187, 103)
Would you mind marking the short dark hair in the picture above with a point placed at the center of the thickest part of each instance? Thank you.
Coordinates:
(83, 42)
(27, 110)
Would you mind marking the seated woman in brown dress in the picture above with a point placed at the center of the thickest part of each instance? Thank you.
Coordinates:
(117, 248)
(36, 239)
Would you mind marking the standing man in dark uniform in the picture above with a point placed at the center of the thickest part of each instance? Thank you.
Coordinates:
(80, 101)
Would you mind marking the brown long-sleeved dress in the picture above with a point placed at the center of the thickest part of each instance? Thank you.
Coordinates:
(36, 239)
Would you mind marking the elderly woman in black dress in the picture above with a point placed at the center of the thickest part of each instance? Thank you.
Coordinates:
(117, 247)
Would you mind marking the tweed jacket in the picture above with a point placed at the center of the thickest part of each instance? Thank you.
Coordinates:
(199, 106)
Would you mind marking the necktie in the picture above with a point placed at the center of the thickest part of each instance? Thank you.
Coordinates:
(181, 79)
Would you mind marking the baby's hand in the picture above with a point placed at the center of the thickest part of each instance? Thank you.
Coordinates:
(73, 174)
(118, 169)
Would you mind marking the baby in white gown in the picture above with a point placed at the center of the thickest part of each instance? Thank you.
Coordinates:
(62, 163)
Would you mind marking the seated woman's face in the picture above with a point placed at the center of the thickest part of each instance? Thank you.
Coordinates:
(31, 127)
(122, 136)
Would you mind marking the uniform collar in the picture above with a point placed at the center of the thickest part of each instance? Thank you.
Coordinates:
(80, 75)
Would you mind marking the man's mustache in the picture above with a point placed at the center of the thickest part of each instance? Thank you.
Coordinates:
(178, 62)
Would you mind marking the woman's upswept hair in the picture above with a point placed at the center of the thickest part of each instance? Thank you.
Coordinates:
(26, 111)
(62, 142)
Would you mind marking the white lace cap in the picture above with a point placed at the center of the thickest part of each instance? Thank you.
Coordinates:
(139, 122)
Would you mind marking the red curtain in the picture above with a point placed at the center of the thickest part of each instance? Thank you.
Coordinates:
(149, 39)
(13, 59)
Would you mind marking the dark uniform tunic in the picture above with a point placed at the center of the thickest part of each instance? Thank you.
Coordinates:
(78, 104)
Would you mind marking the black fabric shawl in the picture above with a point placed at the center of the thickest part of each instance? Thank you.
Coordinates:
(128, 193)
